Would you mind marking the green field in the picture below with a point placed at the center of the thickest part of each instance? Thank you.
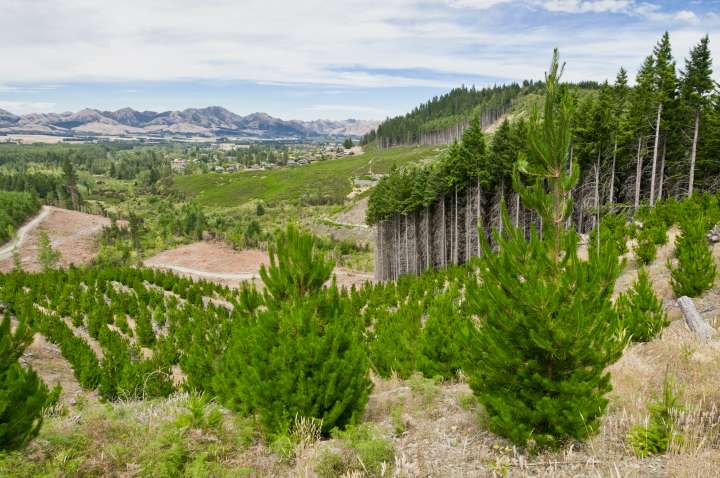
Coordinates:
(326, 181)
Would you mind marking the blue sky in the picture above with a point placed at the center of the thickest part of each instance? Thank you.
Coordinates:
(308, 59)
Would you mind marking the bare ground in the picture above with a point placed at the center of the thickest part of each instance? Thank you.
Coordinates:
(45, 358)
(72, 233)
(220, 263)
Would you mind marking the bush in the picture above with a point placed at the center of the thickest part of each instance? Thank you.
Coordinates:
(22, 394)
(297, 266)
(659, 433)
(303, 356)
(393, 343)
(444, 340)
(366, 452)
(646, 248)
(613, 229)
(47, 256)
(696, 268)
(640, 311)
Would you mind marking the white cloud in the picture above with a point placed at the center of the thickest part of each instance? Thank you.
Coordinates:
(320, 42)
(23, 107)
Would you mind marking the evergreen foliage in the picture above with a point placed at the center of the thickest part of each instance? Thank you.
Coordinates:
(445, 340)
(696, 269)
(47, 256)
(303, 355)
(22, 394)
(646, 249)
(640, 311)
(15, 208)
(392, 344)
(548, 328)
(297, 267)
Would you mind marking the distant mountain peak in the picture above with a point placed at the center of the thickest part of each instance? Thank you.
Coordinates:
(208, 121)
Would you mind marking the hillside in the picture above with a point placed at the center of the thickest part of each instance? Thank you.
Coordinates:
(416, 426)
(208, 121)
(447, 112)
(321, 182)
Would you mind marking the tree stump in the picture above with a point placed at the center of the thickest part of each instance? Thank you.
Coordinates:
(694, 320)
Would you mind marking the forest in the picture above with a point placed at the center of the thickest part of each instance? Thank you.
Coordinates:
(633, 146)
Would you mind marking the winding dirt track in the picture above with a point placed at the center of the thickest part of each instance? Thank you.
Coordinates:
(7, 250)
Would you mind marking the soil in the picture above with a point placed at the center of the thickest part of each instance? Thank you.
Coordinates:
(220, 263)
(45, 358)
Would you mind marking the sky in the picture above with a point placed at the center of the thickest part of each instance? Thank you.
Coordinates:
(309, 59)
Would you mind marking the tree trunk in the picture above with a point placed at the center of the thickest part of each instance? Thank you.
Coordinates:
(468, 212)
(611, 199)
(478, 222)
(597, 201)
(655, 154)
(427, 237)
(662, 172)
(457, 210)
(378, 253)
(407, 253)
(693, 154)
(694, 320)
(444, 235)
(638, 174)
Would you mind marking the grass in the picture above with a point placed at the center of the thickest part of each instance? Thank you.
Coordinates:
(321, 182)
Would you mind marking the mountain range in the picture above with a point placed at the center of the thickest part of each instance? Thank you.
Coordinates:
(210, 121)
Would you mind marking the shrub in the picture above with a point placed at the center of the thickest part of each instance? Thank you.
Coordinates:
(366, 452)
(444, 339)
(297, 266)
(646, 248)
(393, 344)
(548, 328)
(640, 311)
(47, 256)
(696, 268)
(659, 433)
(613, 229)
(303, 356)
(22, 394)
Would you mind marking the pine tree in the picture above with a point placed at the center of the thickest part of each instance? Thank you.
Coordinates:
(297, 267)
(392, 346)
(22, 394)
(640, 311)
(444, 340)
(303, 355)
(697, 83)
(548, 329)
(71, 182)
(646, 248)
(696, 269)
(47, 256)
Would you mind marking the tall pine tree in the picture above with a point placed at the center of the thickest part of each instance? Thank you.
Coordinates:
(697, 84)
(548, 328)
